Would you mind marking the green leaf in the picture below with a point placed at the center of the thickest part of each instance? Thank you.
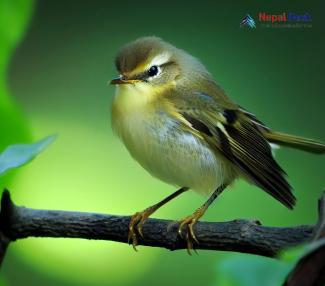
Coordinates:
(17, 155)
(249, 270)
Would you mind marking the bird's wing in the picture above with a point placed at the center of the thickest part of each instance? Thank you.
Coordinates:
(238, 136)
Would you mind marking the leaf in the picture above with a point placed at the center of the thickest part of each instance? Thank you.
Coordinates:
(15, 15)
(249, 270)
(17, 155)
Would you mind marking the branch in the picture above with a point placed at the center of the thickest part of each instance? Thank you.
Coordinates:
(310, 269)
(17, 222)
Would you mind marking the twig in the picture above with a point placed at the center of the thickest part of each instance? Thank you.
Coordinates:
(245, 236)
(5, 212)
(310, 269)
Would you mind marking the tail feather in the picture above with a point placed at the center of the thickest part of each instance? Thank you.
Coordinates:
(297, 142)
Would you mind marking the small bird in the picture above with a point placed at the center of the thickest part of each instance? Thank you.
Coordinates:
(179, 124)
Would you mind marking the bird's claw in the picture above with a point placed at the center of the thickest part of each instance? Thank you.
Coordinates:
(135, 226)
(132, 236)
(190, 237)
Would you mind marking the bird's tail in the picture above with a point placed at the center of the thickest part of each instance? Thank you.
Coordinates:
(301, 143)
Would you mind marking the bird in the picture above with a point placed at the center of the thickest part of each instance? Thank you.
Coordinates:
(180, 125)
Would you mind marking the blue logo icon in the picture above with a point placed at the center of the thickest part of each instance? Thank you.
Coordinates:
(248, 21)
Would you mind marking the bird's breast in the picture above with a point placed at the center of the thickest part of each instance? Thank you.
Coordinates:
(156, 140)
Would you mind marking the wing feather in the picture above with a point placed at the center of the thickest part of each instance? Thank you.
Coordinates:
(238, 136)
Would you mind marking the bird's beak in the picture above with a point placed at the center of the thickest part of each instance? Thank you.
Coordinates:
(121, 80)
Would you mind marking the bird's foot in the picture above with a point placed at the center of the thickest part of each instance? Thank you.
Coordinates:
(136, 224)
(190, 236)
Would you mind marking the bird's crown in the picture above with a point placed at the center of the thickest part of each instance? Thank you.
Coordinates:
(143, 52)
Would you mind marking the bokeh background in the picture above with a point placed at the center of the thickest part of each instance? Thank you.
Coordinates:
(55, 60)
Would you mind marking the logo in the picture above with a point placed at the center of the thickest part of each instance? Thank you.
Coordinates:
(284, 17)
(248, 21)
(278, 20)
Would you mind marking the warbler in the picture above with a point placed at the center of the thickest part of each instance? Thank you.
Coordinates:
(179, 124)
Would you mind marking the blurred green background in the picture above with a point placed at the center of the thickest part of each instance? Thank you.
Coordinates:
(55, 60)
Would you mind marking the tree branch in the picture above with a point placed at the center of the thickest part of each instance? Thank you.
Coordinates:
(17, 222)
(310, 269)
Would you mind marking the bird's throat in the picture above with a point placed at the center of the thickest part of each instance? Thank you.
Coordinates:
(132, 97)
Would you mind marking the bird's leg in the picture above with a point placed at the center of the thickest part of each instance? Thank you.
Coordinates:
(191, 220)
(138, 219)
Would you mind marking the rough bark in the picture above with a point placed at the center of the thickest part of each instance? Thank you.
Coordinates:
(17, 222)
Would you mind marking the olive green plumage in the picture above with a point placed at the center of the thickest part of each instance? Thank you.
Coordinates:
(166, 97)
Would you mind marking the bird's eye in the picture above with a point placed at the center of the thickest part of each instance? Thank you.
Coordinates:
(153, 71)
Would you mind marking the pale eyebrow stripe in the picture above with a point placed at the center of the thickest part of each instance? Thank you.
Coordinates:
(144, 75)
(159, 60)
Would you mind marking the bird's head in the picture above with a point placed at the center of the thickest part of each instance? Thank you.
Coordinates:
(149, 61)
